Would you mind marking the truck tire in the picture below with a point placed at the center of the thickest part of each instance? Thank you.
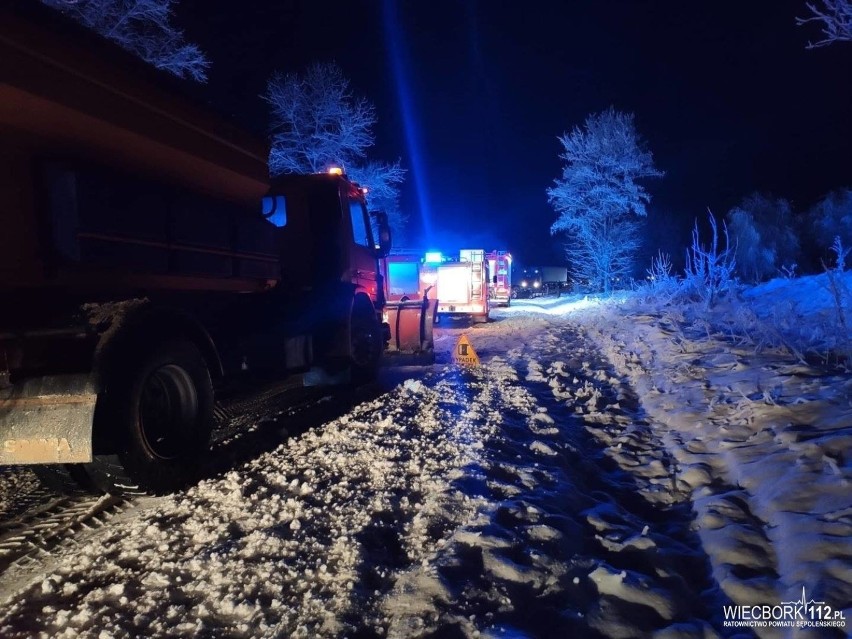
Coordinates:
(159, 409)
(366, 343)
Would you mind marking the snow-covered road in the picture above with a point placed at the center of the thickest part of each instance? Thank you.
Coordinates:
(537, 496)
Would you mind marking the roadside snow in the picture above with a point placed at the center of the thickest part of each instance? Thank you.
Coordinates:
(763, 441)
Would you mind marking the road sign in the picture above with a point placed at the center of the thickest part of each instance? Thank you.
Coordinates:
(463, 353)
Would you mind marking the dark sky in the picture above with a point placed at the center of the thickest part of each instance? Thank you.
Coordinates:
(725, 93)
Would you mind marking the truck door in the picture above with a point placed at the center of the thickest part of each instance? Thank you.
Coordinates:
(363, 260)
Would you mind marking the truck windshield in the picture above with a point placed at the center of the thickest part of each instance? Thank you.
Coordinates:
(360, 225)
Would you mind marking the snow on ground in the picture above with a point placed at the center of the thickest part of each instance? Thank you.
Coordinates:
(612, 470)
(762, 439)
(486, 503)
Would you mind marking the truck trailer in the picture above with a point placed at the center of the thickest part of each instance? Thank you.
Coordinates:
(148, 262)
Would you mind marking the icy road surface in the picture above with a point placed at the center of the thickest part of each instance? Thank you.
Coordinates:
(546, 494)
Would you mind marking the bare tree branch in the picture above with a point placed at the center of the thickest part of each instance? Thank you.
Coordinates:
(317, 121)
(382, 182)
(835, 17)
(142, 27)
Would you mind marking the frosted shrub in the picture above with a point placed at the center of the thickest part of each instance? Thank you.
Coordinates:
(840, 296)
(660, 283)
(709, 273)
(788, 271)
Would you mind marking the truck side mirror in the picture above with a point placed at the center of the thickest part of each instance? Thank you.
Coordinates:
(384, 232)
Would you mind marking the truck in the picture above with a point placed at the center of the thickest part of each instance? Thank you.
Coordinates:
(500, 284)
(148, 263)
(540, 280)
(462, 285)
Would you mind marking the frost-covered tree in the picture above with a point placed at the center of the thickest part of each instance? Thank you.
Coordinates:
(835, 18)
(762, 229)
(143, 27)
(598, 198)
(317, 121)
(832, 217)
(382, 181)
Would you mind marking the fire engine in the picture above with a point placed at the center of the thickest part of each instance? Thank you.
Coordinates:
(500, 284)
(462, 284)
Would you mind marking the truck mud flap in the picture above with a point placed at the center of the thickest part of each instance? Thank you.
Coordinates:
(47, 420)
(411, 325)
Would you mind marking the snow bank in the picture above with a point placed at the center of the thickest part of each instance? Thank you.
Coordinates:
(761, 440)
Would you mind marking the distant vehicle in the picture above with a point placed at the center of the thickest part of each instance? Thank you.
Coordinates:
(462, 286)
(541, 280)
(500, 282)
(148, 263)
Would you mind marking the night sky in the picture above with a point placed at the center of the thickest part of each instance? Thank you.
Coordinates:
(472, 96)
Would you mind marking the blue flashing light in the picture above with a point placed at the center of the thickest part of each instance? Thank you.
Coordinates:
(434, 257)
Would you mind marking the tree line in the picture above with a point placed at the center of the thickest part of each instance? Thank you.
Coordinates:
(317, 121)
(601, 199)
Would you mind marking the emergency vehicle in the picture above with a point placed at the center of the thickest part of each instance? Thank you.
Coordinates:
(500, 283)
(462, 285)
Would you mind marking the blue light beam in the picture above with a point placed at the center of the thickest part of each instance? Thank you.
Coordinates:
(393, 30)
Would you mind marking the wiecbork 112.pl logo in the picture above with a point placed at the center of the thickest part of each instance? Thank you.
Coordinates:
(804, 613)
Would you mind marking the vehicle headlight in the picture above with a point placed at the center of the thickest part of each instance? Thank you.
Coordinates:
(536, 284)
(524, 284)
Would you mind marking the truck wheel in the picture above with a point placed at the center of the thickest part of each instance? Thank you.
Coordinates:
(365, 343)
(161, 412)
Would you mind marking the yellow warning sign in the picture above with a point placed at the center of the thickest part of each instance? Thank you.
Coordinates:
(463, 354)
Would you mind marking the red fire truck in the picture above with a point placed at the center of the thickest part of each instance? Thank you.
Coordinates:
(463, 286)
(500, 284)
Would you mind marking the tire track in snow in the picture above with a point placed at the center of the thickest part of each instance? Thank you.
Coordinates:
(582, 531)
(738, 422)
